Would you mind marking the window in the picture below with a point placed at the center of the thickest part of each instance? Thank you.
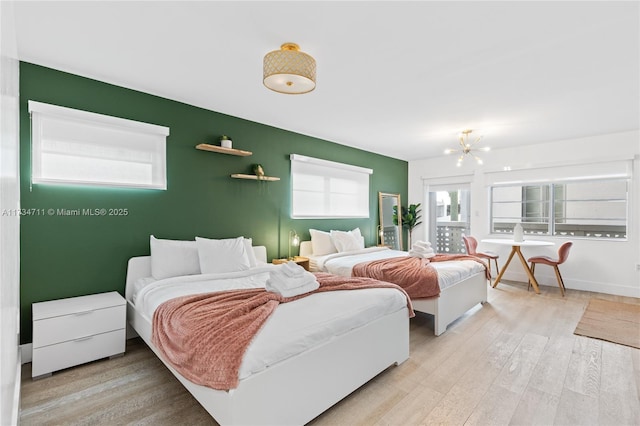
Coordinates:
(595, 209)
(326, 189)
(70, 146)
(587, 208)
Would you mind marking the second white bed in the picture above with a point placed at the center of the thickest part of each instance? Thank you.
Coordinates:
(462, 282)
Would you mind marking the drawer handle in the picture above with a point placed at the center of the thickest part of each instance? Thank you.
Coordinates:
(81, 339)
(82, 313)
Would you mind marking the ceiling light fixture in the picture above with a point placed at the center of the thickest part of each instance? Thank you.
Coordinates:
(466, 147)
(289, 70)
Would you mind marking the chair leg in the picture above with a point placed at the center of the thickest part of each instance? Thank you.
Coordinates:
(497, 268)
(533, 269)
(560, 282)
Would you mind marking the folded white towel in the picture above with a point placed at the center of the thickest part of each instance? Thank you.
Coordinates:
(422, 249)
(421, 254)
(291, 288)
(292, 269)
(287, 286)
(425, 244)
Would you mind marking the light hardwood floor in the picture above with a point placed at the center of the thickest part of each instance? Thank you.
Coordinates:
(513, 361)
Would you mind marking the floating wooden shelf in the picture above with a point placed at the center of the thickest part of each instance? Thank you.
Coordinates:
(255, 177)
(223, 150)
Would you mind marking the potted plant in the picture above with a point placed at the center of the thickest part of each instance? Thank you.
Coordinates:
(410, 218)
(225, 142)
(258, 170)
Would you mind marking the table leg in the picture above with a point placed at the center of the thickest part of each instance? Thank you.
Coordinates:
(534, 283)
(504, 268)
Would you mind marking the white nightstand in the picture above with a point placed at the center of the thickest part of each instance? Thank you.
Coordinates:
(76, 330)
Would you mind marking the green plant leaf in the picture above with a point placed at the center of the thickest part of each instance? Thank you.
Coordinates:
(411, 216)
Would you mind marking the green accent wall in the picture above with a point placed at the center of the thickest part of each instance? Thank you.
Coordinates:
(66, 256)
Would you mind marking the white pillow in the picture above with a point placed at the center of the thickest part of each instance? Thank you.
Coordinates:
(251, 255)
(348, 241)
(321, 243)
(171, 258)
(227, 255)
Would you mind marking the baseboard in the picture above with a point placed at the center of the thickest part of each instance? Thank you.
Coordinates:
(15, 408)
(596, 287)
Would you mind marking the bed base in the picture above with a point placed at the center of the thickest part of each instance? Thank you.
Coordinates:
(295, 391)
(453, 301)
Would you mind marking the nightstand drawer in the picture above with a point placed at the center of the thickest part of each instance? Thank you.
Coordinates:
(49, 331)
(56, 357)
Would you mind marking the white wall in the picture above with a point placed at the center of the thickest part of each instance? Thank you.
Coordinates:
(594, 265)
(9, 224)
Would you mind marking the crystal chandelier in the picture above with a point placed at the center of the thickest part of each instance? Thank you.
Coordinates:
(467, 147)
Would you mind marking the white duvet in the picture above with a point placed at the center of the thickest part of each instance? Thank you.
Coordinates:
(449, 273)
(294, 327)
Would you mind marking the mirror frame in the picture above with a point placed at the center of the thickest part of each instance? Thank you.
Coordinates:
(380, 233)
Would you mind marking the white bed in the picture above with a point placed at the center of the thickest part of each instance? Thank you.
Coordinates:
(300, 386)
(462, 283)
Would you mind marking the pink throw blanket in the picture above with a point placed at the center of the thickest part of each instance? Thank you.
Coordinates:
(205, 336)
(415, 275)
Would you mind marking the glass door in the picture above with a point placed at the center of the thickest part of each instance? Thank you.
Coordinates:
(449, 217)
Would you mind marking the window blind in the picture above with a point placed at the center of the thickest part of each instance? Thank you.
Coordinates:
(327, 189)
(561, 173)
(71, 146)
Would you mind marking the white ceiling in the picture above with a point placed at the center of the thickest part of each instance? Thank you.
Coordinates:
(396, 78)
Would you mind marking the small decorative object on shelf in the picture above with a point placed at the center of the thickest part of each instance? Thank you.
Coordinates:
(258, 170)
(225, 142)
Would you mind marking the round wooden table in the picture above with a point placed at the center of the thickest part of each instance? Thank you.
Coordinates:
(515, 249)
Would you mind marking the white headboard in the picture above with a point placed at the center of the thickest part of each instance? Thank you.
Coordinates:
(261, 253)
(140, 267)
(306, 249)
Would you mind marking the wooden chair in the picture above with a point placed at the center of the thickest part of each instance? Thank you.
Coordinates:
(470, 243)
(563, 254)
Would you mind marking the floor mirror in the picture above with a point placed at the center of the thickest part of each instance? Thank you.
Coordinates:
(390, 230)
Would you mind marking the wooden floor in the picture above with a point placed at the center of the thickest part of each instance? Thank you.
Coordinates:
(513, 361)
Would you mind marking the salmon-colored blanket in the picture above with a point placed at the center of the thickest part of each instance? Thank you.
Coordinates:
(415, 275)
(205, 336)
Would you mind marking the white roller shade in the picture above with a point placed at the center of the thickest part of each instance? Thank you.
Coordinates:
(70, 146)
(561, 173)
(327, 189)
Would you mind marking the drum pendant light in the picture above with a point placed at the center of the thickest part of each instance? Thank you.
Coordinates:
(289, 70)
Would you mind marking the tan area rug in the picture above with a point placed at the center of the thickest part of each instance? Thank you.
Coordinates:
(611, 321)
